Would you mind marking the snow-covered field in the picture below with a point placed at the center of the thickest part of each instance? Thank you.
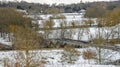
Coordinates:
(84, 34)
(53, 58)
(73, 17)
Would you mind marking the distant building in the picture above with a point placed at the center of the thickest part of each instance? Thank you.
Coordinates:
(82, 11)
(22, 11)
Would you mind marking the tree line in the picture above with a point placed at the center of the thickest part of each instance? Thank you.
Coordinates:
(75, 7)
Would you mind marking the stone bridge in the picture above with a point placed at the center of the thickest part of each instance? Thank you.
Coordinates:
(76, 43)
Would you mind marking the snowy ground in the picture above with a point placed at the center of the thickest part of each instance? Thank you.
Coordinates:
(73, 17)
(77, 34)
(5, 41)
(53, 58)
(84, 34)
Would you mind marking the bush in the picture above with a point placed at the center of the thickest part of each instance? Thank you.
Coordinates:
(89, 54)
(70, 55)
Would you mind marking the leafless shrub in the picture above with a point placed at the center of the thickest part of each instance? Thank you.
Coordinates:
(70, 55)
(89, 54)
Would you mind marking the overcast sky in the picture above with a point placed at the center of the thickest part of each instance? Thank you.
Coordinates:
(59, 1)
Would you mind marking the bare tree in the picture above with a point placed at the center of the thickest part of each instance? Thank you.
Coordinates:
(25, 39)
